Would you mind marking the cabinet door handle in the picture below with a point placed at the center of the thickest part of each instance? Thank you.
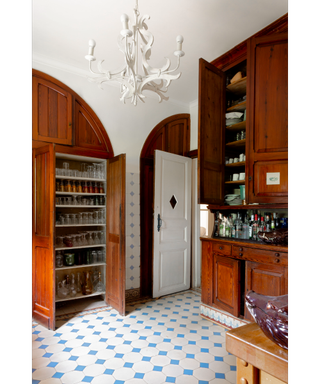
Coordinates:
(240, 249)
(277, 254)
(240, 254)
(220, 248)
(277, 260)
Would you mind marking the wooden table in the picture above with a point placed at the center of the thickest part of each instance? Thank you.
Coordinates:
(259, 360)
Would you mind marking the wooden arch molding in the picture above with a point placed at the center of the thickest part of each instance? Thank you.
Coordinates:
(61, 116)
(170, 135)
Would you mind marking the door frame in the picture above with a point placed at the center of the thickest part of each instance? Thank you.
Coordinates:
(157, 139)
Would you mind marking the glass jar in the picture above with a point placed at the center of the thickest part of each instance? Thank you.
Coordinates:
(96, 188)
(90, 239)
(73, 186)
(94, 257)
(59, 259)
(67, 219)
(88, 257)
(99, 256)
(68, 241)
(90, 188)
(69, 258)
(58, 185)
(85, 218)
(69, 187)
(101, 189)
(84, 187)
(59, 242)
(79, 218)
(79, 186)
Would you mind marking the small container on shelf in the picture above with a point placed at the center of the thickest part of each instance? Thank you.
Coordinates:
(59, 259)
(69, 258)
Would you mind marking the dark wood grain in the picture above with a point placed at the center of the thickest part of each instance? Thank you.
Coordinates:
(207, 272)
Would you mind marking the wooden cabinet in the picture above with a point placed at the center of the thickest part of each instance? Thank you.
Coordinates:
(265, 279)
(226, 280)
(268, 119)
(230, 268)
(61, 116)
(51, 112)
(66, 129)
(262, 96)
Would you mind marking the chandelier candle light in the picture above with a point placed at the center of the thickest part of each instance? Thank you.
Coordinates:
(132, 84)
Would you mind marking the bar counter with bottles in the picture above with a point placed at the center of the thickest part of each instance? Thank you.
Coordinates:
(235, 260)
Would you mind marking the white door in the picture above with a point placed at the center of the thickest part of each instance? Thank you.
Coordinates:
(172, 224)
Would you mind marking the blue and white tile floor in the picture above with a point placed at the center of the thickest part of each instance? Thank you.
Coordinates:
(161, 341)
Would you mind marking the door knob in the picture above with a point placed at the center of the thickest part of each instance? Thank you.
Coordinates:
(159, 222)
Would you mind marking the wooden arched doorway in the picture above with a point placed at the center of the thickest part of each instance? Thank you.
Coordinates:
(170, 135)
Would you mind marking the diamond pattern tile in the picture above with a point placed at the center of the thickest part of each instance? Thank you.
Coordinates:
(161, 341)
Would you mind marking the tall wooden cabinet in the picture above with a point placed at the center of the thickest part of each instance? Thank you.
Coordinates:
(263, 61)
(105, 208)
(232, 267)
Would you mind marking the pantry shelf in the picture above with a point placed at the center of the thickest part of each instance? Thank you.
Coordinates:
(238, 143)
(80, 178)
(79, 225)
(80, 206)
(84, 194)
(79, 266)
(237, 127)
(239, 164)
(80, 247)
(80, 296)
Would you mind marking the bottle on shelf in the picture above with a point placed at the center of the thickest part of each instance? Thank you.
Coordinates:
(251, 227)
(272, 223)
(245, 228)
(255, 228)
(238, 224)
(267, 222)
(276, 221)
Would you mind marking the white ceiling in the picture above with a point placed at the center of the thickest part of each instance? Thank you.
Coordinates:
(62, 28)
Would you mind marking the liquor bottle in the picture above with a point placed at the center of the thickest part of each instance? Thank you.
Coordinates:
(276, 221)
(222, 228)
(230, 225)
(255, 227)
(251, 227)
(261, 227)
(272, 223)
(238, 224)
(216, 228)
(245, 228)
(267, 222)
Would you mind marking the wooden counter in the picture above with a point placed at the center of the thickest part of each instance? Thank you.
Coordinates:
(259, 360)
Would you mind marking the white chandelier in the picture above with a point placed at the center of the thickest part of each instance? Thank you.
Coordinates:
(132, 84)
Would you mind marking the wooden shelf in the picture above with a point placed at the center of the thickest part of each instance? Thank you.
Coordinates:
(239, 107)
(84, 194)
(238, 143)
(80, 178)
(239, 164)
(80, 206)
(237, 127)
(246, 207)
(80, 296)
(80, 247)
(238, 87)
(236, 182)
(79, 225)
(80, 266)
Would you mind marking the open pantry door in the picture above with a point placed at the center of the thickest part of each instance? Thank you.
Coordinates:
(212, 93)
(43, 266)
(115, 255)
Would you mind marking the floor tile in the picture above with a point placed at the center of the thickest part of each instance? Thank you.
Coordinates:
(160, 341)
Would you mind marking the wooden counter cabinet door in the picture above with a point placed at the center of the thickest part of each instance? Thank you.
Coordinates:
(265, 279)
(207, 272)
(226, 284)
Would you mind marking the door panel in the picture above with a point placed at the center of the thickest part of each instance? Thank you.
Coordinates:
(268, 280)
(212, 84)
(267, 119)
(43, 216)
(172, 201)
(51, 112)
(115, 258)
(227, 284)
